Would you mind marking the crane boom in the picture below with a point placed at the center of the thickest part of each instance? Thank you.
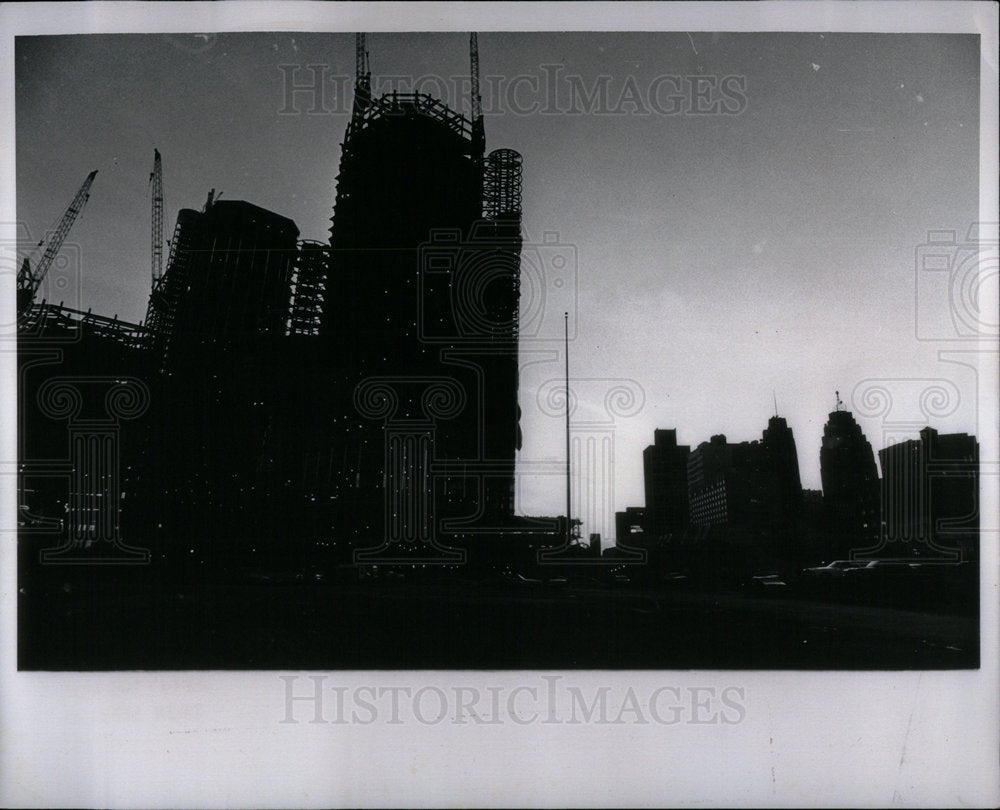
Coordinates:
(477, 104)
(156, 180)
(28, 279)
(362, 76)
(478, 130)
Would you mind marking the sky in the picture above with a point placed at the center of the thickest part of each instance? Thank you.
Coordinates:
(756, 243)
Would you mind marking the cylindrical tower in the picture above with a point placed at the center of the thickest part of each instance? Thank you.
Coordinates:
(502, 184)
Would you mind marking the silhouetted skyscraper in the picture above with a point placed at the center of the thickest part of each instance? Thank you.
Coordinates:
(850, 484)
(227, 280)
(665, 474)
(219, 319)
(424, 285)
(781, 469)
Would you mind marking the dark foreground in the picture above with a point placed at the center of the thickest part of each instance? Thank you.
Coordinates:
(87, 618)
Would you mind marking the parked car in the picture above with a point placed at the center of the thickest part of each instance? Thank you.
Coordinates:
(838, 568)
(765, 583)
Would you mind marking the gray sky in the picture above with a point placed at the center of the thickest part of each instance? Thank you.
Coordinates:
(713, 258)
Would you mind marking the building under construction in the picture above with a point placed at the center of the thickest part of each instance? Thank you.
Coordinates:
(361, 392)
(422, 304)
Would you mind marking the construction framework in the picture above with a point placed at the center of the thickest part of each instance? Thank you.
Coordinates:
(502, 184)
(308, 288)
(52, 319)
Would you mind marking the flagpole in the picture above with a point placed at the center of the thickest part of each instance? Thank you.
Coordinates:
(568, 512)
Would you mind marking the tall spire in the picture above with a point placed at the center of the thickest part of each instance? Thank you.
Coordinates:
(478, 130)
(362, 76)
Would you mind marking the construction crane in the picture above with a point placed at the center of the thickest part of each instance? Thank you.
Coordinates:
(28, 279)
(477, 105)
(478, 130)
(156, 183)
(362, 76)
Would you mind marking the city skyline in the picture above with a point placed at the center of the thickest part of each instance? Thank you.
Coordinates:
(780, 228)
(725, 262)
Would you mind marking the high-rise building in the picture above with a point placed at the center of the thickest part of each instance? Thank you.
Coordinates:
(754, 486)
(665, 470)
(228, 281)
(781, 468)
(423, 290)
(726, 484)
(930, 495)
(219, 321)
(850, 485)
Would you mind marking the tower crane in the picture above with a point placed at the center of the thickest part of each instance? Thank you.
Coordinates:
(156, 184)
(362, 76)
(478, 131)
(30, 279)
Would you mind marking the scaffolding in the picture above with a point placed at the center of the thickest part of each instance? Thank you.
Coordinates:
(502, 185)
(308, 288)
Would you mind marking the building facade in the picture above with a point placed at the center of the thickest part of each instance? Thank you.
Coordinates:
(665, 470)
(727, 485)
(852, 513)
(930, 495)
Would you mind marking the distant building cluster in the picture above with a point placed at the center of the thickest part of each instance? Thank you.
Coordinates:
(747, 497)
